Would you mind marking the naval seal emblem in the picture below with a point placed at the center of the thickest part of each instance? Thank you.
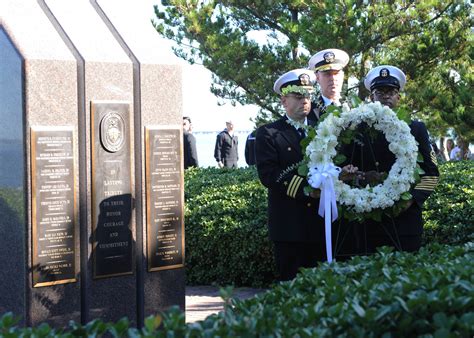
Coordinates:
(112, 132)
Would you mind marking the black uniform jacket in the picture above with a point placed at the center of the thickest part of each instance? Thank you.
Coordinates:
(189, 149)
(226, 149)
(292, 216)
(366, 154)
(318, 108)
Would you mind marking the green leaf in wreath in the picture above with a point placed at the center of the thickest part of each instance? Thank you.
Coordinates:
(403, 113)
(355, 101)
(311, 132)
(419, 158)
(323, 117)
(376, 215)
(339, 159)
(336, 111)
(346, 136)
(303, 170)
(406, 196)
(304, 143)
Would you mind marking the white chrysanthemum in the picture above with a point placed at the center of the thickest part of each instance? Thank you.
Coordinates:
(322, 150)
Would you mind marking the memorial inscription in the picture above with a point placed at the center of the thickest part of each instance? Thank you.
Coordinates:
(111, 189)
(53, 205)
(164, 184)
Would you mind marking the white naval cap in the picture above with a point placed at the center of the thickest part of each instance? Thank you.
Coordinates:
(300, 77)
(385, 76)
(328, 59)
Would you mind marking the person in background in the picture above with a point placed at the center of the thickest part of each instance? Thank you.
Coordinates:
(439, 155)
(226, 151)
(449, 147)
(328, 66)
(461, 151)
(250, 149)
(189, 145)
(403, 231)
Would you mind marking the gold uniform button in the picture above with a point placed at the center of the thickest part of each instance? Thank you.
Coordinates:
(289, 148)
(309, 204)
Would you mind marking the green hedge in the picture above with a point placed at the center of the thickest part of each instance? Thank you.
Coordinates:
(226, 233)
(389, 294)
(449, 212)
(386, 295)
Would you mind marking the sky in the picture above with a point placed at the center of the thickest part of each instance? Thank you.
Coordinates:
(198, 101)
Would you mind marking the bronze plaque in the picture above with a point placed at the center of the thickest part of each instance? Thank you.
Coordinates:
(53, 205)
(164, 198)
(112, 238)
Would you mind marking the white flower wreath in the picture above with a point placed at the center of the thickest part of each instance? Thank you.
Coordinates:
(322, 149)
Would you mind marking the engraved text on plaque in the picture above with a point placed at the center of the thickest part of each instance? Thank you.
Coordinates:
(53, 205)
(111, 189)
(164, 198)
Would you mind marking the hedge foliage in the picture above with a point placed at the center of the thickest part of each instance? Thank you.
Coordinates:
(449, 212)
(226, 234)
(389, 294)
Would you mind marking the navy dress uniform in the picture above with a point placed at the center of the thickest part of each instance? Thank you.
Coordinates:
(403, 231)
(226, 150)
(293, 221)
(323, 61)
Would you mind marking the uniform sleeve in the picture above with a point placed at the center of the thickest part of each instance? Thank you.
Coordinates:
(429, 179)
(193, 151)
(269, 168)
(217, 148)
(247, 150)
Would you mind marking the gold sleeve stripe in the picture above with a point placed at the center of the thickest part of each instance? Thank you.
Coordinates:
(428, 182)
(290, 186)
(425, 185)
(294, 185)
(424, 188)
(429, 179)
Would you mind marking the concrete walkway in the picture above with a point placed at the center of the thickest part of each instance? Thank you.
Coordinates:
(202, 301)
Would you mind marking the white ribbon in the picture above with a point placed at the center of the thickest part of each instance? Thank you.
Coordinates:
(322, 177)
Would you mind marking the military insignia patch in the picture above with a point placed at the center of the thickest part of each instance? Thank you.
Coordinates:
(384, 72)
(329, 57)
(304, 79)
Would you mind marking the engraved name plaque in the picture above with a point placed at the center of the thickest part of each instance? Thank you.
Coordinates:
(164, 198)
(112, 247)
(53, 205)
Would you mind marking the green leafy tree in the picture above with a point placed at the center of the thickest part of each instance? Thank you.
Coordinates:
(424, 38)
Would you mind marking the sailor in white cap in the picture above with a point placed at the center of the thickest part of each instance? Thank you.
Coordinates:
(384, 83)
(293, 221)
(328, 66)
(372, 154)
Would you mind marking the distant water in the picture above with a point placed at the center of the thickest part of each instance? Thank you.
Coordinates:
(206, 141)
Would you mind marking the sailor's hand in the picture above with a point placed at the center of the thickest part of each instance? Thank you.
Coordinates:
(349, 172)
